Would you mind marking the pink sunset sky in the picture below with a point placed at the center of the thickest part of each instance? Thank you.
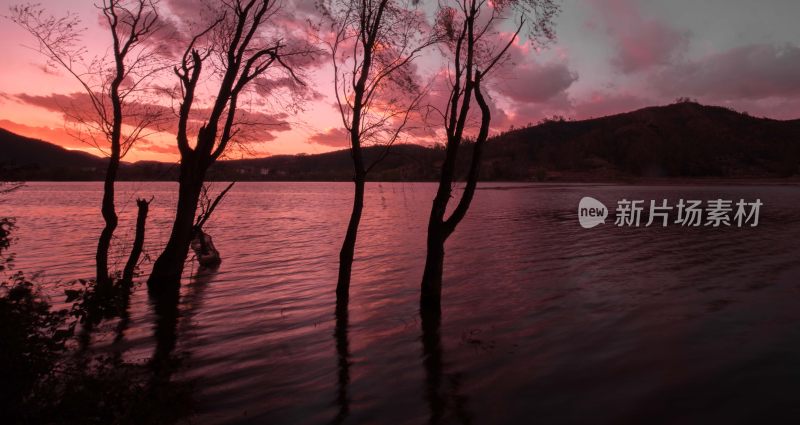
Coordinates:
(610, 56)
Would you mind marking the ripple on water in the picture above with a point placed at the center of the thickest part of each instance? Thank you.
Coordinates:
(542, 319)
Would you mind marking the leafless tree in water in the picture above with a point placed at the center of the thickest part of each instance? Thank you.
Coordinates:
(373, 44)
(112, 114)
(476, 46)
(239, 45)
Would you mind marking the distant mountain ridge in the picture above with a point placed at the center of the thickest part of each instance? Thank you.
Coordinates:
(25, 150)
(682, 140)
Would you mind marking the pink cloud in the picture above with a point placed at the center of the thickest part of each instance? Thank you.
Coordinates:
(145, 145)
(749, 72)
(640, 42)
(522, 78)
(336, 137)
(75, 104)
(535, 83)
(252, 125)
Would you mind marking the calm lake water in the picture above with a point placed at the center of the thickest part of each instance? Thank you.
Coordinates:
(543, 321)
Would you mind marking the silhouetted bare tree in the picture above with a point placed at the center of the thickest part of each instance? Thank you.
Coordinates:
(143, 206)
(113, 118)
(232, 52)
(476, 45)
(372, 45)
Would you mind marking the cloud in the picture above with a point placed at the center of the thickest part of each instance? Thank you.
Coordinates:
(78, 110)
(522, 78)
(639, 42)
(252, 125)
(527, 89)
(535, 83)
(286, 89)
(755, 71)
(76, 104)
(336, 137)
(146, 145)
(530, 113)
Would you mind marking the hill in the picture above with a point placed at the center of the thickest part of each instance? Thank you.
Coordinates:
(23, 156)
(682, 140)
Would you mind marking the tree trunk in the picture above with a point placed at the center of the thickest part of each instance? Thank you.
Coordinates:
(126, 284)
(165, 307)
(439, 228)
(168, 267)
(110, 218)
(349, 245)
(431, 291)
(138, 241)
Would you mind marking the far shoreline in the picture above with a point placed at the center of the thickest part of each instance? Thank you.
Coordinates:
(633, 181)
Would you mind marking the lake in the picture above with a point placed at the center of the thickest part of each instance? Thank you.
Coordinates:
(542, 321)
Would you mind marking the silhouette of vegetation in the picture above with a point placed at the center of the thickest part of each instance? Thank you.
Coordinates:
(471, 34)
(50, 368)
(50, 374)
(114, 87)
(373, 46)
(31, 335)
(143, 206)
(232, 51)
(47, 378)
(202, 245)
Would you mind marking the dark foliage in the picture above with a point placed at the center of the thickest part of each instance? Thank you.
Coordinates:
(45, 376)
(32, 339)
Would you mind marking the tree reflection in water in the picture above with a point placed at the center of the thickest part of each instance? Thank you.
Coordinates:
(166, 305)
(440, 396)
(343, 360)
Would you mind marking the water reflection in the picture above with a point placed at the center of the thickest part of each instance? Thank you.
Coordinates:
(542, 319)
(442, 390)
(165, 308)
(126, 288)
(93, 304)
(194, 297)
(343, 360)
(432, 361)
(165, 304)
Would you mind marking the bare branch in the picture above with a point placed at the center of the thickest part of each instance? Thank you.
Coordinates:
(208, 208)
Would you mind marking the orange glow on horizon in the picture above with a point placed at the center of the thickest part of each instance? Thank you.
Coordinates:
(613, 57)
